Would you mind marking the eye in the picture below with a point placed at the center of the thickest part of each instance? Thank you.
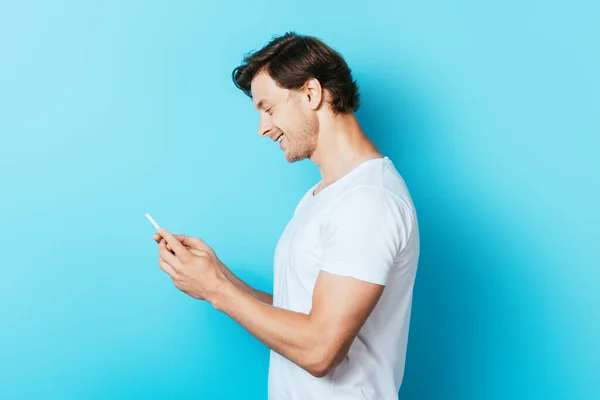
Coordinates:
(269, 111)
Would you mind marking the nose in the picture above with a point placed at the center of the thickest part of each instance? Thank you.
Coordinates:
(264, 127)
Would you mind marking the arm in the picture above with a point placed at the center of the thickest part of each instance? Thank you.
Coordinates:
(244, 287)
(318, 341)
(361, 240)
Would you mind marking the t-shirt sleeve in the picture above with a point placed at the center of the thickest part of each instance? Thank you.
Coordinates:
(365, 231)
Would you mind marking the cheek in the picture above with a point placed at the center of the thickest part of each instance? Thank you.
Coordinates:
(287, 122)
(278, 123)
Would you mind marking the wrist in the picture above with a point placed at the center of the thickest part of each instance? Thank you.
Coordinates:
(220, 292)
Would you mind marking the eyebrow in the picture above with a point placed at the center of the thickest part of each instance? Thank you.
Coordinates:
(261, 104)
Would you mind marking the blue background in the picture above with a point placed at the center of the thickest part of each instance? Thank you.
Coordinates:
(112, 109)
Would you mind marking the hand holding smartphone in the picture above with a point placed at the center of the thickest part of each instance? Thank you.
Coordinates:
(157, 236)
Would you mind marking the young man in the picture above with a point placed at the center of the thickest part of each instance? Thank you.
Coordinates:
(337, 322)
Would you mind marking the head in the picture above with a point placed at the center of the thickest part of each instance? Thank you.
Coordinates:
(296, 82)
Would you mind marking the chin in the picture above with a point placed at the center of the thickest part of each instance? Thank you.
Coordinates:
(292, 158)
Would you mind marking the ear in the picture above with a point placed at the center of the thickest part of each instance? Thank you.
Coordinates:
(314, 93)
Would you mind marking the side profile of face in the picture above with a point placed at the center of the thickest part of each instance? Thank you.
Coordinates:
(287, 116)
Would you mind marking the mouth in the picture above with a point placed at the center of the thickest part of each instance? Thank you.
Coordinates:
(279, 139)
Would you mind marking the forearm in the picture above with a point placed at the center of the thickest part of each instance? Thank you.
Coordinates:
(292, 334)
(244, 287)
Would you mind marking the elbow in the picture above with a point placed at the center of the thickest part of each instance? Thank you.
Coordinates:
(322, 362)
(319, 370)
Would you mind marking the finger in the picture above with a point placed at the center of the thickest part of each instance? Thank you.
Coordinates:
(167, 246)
(158, 238)
(166, 267)
(166, 255)
(194, 242)
(163, 246)
(187, 241)
(174, 243)
(197, 252)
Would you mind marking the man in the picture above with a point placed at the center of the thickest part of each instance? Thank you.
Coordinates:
(337, 322)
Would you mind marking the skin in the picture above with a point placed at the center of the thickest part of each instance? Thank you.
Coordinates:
(317, 341)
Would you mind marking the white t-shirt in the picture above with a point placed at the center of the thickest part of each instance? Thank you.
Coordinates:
(363, 225)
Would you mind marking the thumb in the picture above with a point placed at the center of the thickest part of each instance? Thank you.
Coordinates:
(194, 242)
(187, 241)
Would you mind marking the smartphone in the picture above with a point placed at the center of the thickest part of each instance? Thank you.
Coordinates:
(152, 221)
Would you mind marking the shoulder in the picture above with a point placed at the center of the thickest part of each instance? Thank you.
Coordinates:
(372, 210)
(372, 200)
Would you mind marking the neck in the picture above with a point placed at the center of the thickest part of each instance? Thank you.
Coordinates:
(342, 146)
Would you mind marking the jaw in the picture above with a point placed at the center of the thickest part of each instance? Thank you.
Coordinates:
(315, 155)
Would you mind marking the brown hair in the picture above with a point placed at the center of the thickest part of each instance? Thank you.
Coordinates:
(292, 59)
